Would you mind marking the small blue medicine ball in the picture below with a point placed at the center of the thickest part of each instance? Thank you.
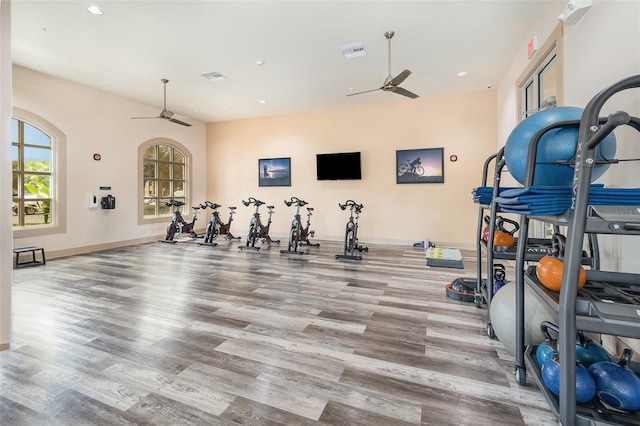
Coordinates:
(556, 145)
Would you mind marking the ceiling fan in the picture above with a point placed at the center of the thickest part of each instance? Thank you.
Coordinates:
(392, 84)
(165, 114)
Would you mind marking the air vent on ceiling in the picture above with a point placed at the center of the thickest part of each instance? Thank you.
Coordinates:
(353, 50)
(214, 76)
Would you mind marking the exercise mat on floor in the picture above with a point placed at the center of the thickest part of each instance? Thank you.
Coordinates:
(444, 258)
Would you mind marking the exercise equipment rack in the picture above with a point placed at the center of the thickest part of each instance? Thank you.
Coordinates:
(609, 303)
(536, 248)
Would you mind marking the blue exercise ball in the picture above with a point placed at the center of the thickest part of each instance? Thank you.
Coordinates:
(556, 145)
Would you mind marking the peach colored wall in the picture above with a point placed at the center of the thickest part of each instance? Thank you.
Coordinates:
(98, 122)
(464, 124)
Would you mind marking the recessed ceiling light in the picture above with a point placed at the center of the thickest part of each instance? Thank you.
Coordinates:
(262, 101)
(259, 62)
(462, 73)
(353, 50)
(94, 10)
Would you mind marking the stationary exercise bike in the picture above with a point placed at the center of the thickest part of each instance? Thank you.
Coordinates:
(180, 226)
(298, 234)
(216, 227)
(257, 230)
(351, 232)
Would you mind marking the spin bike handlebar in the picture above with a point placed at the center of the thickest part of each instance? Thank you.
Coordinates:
(173, 202)
(176, 203)
(351, 204)
(253, 201)
(297, 201)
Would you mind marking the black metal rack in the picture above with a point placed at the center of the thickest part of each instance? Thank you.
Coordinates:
(610, 301)
(536, 248)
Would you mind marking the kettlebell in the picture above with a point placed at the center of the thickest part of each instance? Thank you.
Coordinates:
(616, 385)
(501, 236)
(585, 384)
(499, 277)
(549, 269)
(549, 347)
(485, 231)
(589, 352)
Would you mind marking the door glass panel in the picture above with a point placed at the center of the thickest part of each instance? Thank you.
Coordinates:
(548, 84)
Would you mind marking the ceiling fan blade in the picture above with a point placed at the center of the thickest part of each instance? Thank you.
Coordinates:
(405, 92)
(144, 118)
(366, 91)
(175, 120)
(400, 77)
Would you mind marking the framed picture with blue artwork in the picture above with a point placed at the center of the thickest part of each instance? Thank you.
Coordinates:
(420, 165)
(274, 172)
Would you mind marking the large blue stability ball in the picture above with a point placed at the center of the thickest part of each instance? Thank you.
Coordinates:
(556, 145)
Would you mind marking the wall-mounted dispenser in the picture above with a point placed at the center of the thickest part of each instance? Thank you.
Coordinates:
(93, 202)
(108, 202)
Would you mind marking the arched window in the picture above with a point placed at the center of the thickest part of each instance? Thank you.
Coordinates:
(164, 166)
(37, 175)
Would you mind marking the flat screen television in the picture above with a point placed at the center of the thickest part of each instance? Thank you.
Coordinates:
(338, 166)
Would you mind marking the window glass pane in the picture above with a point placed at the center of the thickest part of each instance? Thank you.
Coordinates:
(163, 209)
(150, 153)
(150, 187)
(164, 170)
(150, 206)
(178, 171)
(34, 136)
(149, 169)
(164, 188)
(177, 156)
(14, 130)
(15, 191)
(15, 165)
(32, 180)
(178, 189)
(37, 159)
(164, 152)
(14, 209)
(37, 186)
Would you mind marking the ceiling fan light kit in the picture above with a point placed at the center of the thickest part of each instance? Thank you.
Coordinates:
(165, 114)
(392, 84)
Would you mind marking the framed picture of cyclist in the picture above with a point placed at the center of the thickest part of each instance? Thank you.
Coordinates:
(424, 165)
(274, 172)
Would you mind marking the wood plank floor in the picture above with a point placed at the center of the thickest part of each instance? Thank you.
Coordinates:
(194, 335)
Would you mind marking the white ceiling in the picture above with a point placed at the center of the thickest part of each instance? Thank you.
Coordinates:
(134, 44)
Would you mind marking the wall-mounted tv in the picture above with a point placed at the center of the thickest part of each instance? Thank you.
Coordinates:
(338, 166)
